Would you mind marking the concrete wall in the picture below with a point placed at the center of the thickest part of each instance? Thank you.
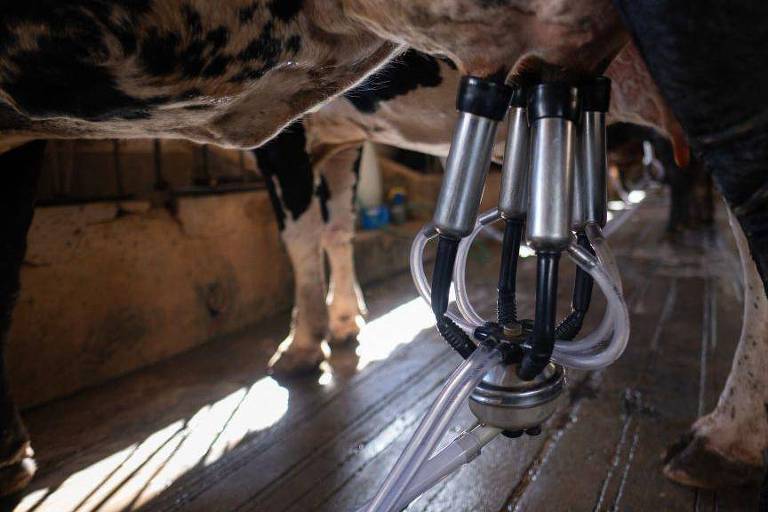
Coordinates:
(104, 294)
(92, 169)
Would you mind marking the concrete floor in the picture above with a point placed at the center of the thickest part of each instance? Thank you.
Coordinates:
(208, 431)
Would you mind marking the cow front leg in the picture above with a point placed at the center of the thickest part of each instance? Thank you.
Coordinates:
(346, 305)
(291, 184)
(726, 446)
(20, 171)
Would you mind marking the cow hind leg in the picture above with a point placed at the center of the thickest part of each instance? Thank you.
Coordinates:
(20, 171)
(290, 180)
(301, 352)
(729, 132)
(726, 446)
(346, 305)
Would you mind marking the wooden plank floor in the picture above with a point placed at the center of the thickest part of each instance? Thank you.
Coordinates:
(208, 431)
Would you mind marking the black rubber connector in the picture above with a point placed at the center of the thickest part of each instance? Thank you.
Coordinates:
(443, 273)
(526, 324)
(510, 353)
(582, 288)
(485, 98)
(596, 94)
(455, 337)
(490, 332)
(441, 285)
(506, 303)
(506, 306)
(554, 99)
(519, 96)
(543, 337)
(570, 327)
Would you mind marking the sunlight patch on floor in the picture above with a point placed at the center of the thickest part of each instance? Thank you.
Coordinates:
(617, 206)
(381, 336)
(637, 196)
(132, 476)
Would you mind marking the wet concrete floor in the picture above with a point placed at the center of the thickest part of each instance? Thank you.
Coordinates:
(210, 431)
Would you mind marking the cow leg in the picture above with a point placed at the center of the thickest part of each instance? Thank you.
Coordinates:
(290, 180)
(691, 53)
(703, 204)
(301, 351)
(692, 205)
(346, 305)
(679, 180)
(679, 206)
(726, 446)
(20, 170)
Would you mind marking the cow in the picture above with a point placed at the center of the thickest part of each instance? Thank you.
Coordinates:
(311, 170)
(691, 198)
(692, 54)
(235, 72)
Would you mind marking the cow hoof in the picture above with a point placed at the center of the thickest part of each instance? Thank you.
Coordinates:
(693, 461)
(344, 329)
(294, 361)
(16, 474)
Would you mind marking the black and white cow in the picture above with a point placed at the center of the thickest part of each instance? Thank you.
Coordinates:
(311, 172)
(408, 109)
(235, 72)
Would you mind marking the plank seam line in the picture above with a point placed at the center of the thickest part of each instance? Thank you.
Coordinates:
(666, 312)
(564, 420)
(347, 480)
(617, 450)
(518, 492)
(215, 473)
(247, 458)
(270, 488)
(627, 466)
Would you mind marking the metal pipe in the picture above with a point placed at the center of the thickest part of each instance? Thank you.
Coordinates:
(553, 112)
(578, 207)
(596, 96)
(552, 150)
(595, 168)
(481, 105)
(465, 173)
(513, 198)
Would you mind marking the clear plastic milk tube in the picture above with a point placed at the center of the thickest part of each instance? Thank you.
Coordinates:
(420, 277)
(433, 426)
(585, 352)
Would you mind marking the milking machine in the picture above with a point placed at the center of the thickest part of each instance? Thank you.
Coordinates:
(553, 192)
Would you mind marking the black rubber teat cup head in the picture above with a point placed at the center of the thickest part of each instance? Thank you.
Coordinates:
(554, 99)
(519, 96)
(484, 98)
(596, 94)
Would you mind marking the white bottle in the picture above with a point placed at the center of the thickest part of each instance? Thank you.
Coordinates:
(369, 185)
